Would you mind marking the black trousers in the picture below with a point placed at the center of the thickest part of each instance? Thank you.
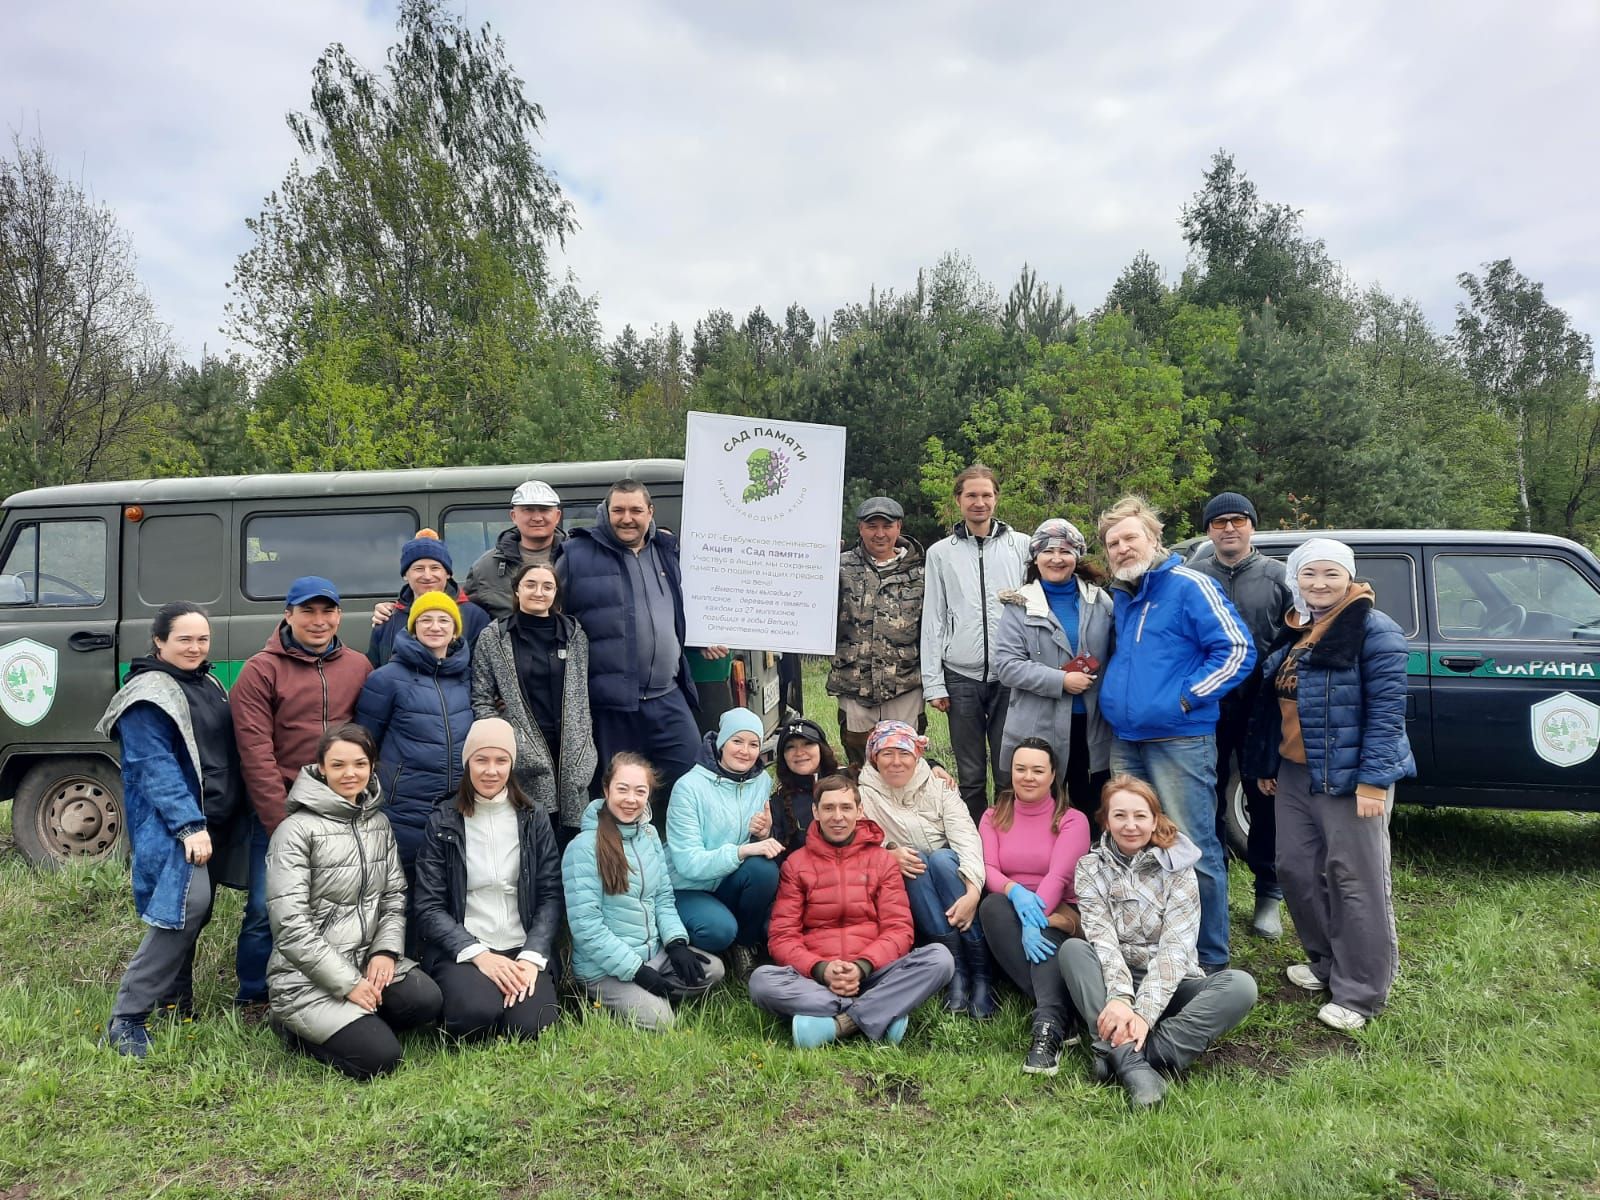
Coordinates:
(475, 1008)
(1261, 849)
(368, 1047)
(1083, 785)
(1040, 982)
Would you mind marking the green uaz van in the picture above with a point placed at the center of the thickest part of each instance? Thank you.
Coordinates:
(83, 569)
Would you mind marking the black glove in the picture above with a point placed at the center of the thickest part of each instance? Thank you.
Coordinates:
(652, 981)
(686, 964)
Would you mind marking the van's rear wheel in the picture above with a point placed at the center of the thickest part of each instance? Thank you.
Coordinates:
(69, 810)
(1236, 818)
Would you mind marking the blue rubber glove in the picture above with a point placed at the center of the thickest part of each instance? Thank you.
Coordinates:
(1035, 945)
(1030, 909)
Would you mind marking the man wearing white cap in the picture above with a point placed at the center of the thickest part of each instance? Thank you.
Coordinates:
(535, 536)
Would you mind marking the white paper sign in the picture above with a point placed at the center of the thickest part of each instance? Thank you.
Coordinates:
(760, 541)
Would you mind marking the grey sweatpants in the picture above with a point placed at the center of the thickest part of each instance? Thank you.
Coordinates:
(1334, 868)
(645, 1009)
(889, 993)
(1200, 1011)
(160, 959)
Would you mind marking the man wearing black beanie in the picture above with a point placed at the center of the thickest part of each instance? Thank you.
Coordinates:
(1259, 589)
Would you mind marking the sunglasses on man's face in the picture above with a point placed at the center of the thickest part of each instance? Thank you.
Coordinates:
(1229, 522)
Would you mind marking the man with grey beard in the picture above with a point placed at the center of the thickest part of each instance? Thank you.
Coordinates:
(1180, 648)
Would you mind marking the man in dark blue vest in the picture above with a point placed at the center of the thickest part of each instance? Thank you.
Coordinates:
(621, 580)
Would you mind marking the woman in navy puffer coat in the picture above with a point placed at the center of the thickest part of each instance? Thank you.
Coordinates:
(1328, 740)
(418, 708)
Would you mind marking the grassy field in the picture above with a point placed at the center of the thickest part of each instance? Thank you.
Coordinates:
(1482, 1080)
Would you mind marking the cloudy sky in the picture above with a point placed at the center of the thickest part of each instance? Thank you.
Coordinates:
(730, 154)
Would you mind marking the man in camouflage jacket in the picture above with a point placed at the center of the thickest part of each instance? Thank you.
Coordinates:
(877, 668)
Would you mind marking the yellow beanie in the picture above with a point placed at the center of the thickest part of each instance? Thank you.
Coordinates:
(433, 602)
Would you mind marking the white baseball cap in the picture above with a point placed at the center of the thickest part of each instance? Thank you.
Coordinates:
(536, 493)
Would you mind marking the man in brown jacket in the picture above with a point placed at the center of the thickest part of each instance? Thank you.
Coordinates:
(301, 681)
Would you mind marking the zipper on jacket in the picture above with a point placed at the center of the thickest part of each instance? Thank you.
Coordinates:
(444, 711)
(1138, 635)
(644, 901)
(322, 675)
(983, 608)
(361, 853)
(1327, 730)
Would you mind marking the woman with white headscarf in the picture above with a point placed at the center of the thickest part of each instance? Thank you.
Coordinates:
(1328, 739)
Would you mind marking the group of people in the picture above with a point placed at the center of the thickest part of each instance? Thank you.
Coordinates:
(434, 830)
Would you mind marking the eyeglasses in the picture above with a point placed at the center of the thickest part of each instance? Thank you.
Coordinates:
(1238, 522)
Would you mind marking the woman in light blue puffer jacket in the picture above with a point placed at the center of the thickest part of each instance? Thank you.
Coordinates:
(629, 948)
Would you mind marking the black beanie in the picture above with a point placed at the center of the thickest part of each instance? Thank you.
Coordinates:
(1229, 502)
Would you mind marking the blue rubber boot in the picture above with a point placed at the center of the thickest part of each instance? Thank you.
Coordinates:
(896, 1030)
(811, 1032)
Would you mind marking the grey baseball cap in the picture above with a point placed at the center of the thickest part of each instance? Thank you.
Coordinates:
(880, 506)
(536, 493)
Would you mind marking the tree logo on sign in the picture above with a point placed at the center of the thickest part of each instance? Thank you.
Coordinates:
(1566, 729)
(769, 472)
(27, 680)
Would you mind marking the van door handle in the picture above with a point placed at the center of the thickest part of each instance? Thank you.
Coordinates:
(90, 641)
(1461, 662)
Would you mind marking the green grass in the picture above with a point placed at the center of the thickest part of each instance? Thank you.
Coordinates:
(1482, 1080)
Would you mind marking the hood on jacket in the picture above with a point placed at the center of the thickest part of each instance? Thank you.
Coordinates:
(508, 544)
(1179, 856)
(868, 833)
(591, 818)
(602, 532)
(413, 654)
(1031, 598)
(912, 556)
(149, 662)
(312, 793)
(921, 779)
(281, 642)
(708, 758)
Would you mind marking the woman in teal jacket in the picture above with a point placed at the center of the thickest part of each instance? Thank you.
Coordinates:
(629, 948)
(720, 848)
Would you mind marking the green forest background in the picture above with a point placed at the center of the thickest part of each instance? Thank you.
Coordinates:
(400, 309)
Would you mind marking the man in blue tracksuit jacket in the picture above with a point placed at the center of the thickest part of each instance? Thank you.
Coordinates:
(1181, 646)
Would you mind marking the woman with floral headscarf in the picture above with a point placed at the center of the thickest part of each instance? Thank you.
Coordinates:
(1055, 633)
(1328, 741)
(927, 828)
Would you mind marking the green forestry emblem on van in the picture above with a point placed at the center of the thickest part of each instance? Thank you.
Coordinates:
(84, 568)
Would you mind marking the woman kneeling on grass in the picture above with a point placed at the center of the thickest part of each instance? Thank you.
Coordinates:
(1032, 843)
(488, 900)
(339, 983)
(1137, 979)
(629, 947)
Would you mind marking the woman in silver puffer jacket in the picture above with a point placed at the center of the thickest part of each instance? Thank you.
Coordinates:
(339, 982)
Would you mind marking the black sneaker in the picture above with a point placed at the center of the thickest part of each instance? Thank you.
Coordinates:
(1044, 1054)
(128, 1038)
(741, 961)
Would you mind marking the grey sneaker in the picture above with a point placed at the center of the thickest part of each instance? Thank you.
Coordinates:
(1302, 976)
(1337, 1016)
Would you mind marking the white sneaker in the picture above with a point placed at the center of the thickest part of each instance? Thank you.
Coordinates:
(1337, 1016)
(1302, 976)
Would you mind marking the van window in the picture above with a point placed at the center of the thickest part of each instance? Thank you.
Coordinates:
(181, 558)
(56, 564)
(1516, 597)
(1394, 580)
(359, 551)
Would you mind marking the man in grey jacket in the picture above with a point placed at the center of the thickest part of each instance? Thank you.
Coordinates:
(966, 572)
(535, 536)
(1260, 591)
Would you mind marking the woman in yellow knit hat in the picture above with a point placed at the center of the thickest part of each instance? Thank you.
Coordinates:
(418, 708)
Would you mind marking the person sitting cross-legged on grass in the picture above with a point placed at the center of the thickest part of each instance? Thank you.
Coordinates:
(630, 950)
(841, 933)
(488, 897)
(1137, 978)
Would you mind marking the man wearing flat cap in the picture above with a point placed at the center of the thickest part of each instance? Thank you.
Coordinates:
(877, 666)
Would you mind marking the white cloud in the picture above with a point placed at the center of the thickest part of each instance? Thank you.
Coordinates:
(730, 155)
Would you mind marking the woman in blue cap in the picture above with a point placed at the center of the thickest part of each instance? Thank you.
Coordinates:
(720, 848)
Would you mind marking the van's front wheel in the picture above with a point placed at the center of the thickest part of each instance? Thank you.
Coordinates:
(1236, 818)
(69, 809)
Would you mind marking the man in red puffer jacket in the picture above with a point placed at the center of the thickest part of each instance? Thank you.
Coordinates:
(841, 933)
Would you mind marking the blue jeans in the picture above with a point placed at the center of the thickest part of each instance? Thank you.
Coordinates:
(255, 933)
(935, 890)
(737, 911)
(1183, 771)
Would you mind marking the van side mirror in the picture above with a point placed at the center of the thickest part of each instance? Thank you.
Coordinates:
(13, 590)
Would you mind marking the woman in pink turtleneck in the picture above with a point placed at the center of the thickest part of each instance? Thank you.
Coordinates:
(1032, 841)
